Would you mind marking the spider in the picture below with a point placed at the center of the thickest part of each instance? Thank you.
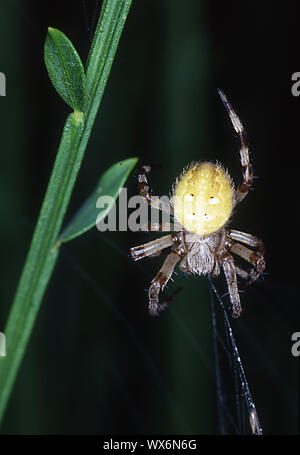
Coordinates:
(202, 202)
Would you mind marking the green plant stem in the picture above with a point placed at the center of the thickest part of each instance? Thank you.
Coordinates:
(43, 251)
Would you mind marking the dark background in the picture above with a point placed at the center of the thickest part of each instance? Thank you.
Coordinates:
(96, 362)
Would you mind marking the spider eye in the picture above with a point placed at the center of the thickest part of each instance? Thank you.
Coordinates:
(203, 198)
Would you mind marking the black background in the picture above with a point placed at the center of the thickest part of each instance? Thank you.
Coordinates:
(96, 362)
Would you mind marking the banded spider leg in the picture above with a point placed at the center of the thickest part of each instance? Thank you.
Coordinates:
(256, 258)
(155, 248)
(244, 150)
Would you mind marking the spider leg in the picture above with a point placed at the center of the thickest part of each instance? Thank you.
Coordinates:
(255, 258)
(230, 274)
(161, 279)
(144, 190)
(244, 150)
(250, 256)
(241, 272)
(183, 265)
(246, 238)
(153, 247)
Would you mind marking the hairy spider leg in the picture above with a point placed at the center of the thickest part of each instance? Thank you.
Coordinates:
(230, 274)
(161, 279)
(145, 192)
(253, 257)
(246, 238)
(153, 247)
(241, 272)
(244, 150)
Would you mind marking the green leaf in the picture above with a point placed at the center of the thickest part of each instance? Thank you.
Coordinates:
(109, 184)
(65, 69)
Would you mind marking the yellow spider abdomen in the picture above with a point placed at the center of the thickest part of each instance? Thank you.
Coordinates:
(203, 198)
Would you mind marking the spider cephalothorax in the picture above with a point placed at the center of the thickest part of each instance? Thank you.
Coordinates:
(201, 204)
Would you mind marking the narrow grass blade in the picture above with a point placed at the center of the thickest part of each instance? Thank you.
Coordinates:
(65, 69)
(42, 255)
(43, 250)
(109, 184)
